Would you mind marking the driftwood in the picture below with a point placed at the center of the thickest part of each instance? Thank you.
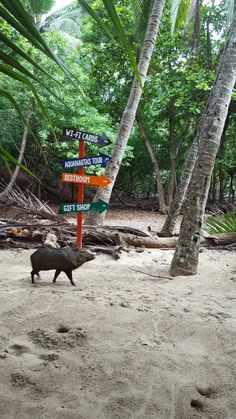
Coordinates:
(104, 236)
(32, 232)
(222, 239)
(111, 250)
(152, 275)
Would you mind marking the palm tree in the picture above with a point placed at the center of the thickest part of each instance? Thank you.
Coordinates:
(129, 113)
(19, 20)
(185, 259)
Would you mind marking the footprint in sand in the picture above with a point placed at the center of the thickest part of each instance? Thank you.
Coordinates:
(63, 338)
(20, 380)
(206, 392)
(220, 316)
(22, 350)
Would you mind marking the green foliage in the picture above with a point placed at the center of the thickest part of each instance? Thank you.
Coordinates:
(38, 7)
(224, 223)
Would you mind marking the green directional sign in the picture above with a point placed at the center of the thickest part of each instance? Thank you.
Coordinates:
(98, 206)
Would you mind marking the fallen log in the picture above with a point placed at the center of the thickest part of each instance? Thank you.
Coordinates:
(111, 250)
(222, 239)
(114, 237)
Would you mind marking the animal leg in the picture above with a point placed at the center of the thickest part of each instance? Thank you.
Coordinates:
(69, 274)
(56, 275)
(32, 275)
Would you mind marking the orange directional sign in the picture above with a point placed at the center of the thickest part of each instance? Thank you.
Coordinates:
(100, 180)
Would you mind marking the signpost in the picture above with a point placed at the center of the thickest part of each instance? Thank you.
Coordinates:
(100, 180)
(100, 140)
(101, 159)
(98, 206)
(83, 179)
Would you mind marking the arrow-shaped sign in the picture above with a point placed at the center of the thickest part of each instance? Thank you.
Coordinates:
(101, 140)
(102, 159)
(100, 180)
(98, 206)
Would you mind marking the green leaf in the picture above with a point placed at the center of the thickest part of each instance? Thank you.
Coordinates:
(13, 63)
(179, 10)
(221, 224)
(12, 159)
(16, 25)
(25, 81)
(22, 23)
(15, 106)
(89, 9)
(109, 6)
(19, 51)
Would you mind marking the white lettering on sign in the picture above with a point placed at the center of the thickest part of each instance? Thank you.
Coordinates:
(77, 134)
(73, 163)
(69, 132)
(82, 207)
(97, 160)
(89, 137)
(69, 208)
(76, 178)
(77, 163)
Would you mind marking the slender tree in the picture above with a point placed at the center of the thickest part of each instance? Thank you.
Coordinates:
(156, 168)
(179, 198)
(185, 261)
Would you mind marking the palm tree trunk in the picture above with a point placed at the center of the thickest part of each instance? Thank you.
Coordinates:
(130, 110)
(172, 165)
(12, 182)
(185, 261)
(160, 189)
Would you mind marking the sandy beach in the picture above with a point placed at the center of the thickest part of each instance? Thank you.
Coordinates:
(121, 344)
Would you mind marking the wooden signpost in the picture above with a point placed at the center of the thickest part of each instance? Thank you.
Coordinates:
(83, 179)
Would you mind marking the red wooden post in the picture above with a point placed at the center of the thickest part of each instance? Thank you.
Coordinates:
(80, 199)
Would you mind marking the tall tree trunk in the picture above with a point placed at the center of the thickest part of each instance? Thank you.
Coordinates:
(196, 30)
(12, 182)
(161, 199)
(231, 186)
(130, 110)
(213, 186)
(172, 164)
(180, 194)
(185, 261)
(221, 155)
(179, 198)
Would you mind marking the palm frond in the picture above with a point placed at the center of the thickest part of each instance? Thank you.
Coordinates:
(6, 41)
(179, 11)
(141, 10)
(10, 98)
(89, 9)
(191, 12)
(14, 14)
(24, 80)
(225, 223)
(6, 155)
(110, 8)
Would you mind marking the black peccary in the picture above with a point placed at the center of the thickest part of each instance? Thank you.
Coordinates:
(62, 260)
